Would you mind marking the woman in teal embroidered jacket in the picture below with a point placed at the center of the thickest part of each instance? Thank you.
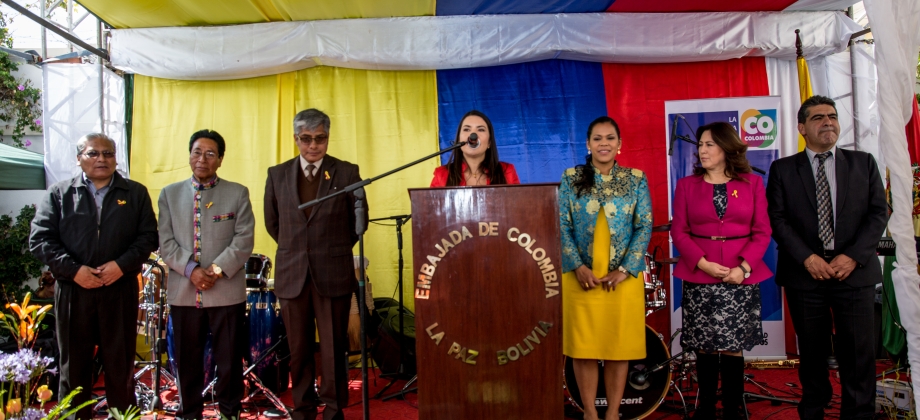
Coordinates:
(606, 224)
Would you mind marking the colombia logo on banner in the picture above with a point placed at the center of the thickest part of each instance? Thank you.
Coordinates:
(758, 127)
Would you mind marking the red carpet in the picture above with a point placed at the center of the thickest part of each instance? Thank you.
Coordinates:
(782, 383)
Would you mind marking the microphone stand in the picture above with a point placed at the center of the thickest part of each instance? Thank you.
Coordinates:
(400, 221)
(357, 190)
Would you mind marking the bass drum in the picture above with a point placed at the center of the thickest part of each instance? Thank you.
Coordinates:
(639, 399)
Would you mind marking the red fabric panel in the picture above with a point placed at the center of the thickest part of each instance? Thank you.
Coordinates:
(655, 6)
(635, 99)
(913, 135)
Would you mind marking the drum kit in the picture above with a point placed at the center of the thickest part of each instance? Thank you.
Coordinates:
(265, 371)
(649, 380)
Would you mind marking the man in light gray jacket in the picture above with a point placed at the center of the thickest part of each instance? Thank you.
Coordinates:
(206, 226)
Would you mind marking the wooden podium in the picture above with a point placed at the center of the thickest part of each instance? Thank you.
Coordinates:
(487, 299)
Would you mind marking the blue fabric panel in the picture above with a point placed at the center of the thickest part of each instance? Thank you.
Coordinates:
(498, 7)
(540, 111)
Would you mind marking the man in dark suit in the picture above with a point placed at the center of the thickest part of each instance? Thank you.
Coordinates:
(315, 275)
(95, 231)
(827, 209)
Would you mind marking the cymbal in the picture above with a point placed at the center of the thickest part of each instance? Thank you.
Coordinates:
(661, 228)
(668, 260)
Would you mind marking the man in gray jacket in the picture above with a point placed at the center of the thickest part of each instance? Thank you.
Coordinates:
(206, 237)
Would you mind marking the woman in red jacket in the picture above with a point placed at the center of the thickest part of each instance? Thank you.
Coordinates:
(722, 230)
(475, 166)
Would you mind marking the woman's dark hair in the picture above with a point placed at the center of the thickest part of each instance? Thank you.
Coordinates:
(726, 137)
(490, 165)
(585, 173)
(209, 134)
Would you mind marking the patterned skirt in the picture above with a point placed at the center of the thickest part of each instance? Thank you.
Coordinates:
(721, 317)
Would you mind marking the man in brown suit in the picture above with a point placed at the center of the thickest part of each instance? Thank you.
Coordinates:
(315, 275)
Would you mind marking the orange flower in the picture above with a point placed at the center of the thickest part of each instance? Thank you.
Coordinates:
(44, 394)
(13, 406)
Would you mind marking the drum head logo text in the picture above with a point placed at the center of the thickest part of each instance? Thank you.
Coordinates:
(758, 127)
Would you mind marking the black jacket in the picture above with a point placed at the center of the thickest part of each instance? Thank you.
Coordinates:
(861, 217)
(65, 234)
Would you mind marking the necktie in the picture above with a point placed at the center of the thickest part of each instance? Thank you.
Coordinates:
(825, 209)
(310, 169)
(199, 187)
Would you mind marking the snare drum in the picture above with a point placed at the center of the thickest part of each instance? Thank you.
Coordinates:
(258, 269)
(640, 398)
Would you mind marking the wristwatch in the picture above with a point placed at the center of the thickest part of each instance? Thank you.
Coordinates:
(623, 270)
(746, 273)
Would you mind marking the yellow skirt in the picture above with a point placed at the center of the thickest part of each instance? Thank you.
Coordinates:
(603, 325)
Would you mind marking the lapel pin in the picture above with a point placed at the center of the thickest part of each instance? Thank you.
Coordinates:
(210, 203)
(735, 193)
(327, 175)
(122, 202)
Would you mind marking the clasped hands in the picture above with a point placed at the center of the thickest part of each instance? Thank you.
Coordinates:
(204, 278)
(839, 268)
(104, 275)
(588, 281)
(719, 271)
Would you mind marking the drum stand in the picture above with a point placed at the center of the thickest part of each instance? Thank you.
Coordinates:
(148, 397)
(256, 383)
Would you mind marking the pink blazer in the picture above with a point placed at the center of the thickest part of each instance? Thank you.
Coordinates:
(746, 214)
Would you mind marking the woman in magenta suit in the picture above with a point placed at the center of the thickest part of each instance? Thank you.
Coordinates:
(722, 230)
(475, 165)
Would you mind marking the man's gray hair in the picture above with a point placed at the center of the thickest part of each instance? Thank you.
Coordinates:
(310, 119)
(81, 144)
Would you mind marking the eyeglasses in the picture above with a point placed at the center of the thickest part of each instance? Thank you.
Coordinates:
(108, 154)
(319, 140)
(209, 155)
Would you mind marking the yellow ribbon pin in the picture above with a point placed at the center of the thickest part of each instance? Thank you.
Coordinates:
(210, 203)
(735, 193)
(122, 202)
(327, 175)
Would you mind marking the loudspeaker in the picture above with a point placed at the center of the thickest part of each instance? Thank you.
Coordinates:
(386, 352)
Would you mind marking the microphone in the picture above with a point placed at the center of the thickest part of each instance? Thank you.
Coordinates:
(638, 379)
(473, 141)
(673, 134)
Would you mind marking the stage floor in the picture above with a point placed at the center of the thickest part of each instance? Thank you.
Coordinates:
(781, 382)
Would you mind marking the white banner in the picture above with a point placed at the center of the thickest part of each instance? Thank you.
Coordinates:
(450, 42)
(756, 120)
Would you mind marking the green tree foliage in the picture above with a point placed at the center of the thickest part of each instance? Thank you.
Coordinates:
(17, 265)
(20, 102)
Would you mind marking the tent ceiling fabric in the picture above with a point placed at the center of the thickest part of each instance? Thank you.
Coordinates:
(158, 13)
(434, 43)
(698, 5)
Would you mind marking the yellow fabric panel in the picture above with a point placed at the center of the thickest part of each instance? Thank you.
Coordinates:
(156, 13)
(805, 91)
(247, 113)
(380, 120)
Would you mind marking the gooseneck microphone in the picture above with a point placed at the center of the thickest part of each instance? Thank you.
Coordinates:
(473, 141)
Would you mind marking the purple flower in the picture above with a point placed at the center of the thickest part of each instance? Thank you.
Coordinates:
(28, 143)
(38, 122)
(21, 88)
(31, 414)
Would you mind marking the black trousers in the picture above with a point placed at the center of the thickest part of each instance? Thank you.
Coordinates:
(86, 317)
(850, 310)
(229, 342)
(331, 315)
